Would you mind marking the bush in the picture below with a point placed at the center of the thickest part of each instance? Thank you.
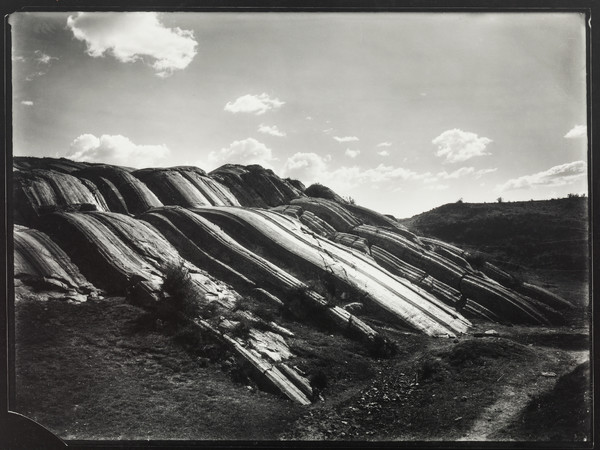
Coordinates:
(180, 298)
(320, 191)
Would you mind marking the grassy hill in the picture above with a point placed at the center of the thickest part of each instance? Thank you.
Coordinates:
(547, 235)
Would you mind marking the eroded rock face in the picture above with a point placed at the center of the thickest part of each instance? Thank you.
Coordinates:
(255, 186)
(39, 262)
(122, 191)
(39, 191)
(186, 186)
(306, 255)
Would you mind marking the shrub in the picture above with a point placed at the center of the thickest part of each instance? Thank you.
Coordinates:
(180, 298)
(320, 191)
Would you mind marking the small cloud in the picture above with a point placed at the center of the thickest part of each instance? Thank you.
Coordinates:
(483, 172)
(311, 168)
(18, 58)
(576, 132)
(346, 138)
(309, 118)
(352, 153)
(423, 94)
(456, 174)
(384, 144)
(256, 104)
(328, 130)
(34, 75)
(555, 176)
(457, 145)
(246, 151)
(383, 153)
(116, 149)
(43, 58)
(135, 36)
(272, 130)
(27, 103)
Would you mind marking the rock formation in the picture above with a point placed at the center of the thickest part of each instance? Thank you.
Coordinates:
(240, 236)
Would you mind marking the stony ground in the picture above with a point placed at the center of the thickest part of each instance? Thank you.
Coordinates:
(107, 370)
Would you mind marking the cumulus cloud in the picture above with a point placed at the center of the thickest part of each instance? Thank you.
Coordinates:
(576, 132)
(383, 153)
(254, 104)
(457, 145)
(346, 138)
(307, 167)
(272, 130)
(246, 151)
(27, 103)
(116, 149)
(352, 153)
(311, 168)
(134, 36)
(555, 176)
(384, 144)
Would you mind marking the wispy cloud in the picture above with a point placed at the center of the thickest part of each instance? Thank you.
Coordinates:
(116, 149)
(555, 176)
(254, 104)
(352, 153)
(34, 75)
(346, 138)
(455, 174)
(328, 130)
(576, 132)
(43, 58)
(27, 102)
(384, 144)
(383, 153)
(245, 151)
(483, 172)
(312, 168)
(135, 36)
(272, 130)
(456, 145)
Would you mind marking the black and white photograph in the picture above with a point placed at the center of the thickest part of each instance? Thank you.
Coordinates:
(299, 226)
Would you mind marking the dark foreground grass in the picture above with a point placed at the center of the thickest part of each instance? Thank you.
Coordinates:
(107, 370)
(89, 371)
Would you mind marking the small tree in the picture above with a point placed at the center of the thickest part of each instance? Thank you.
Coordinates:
(499, 200)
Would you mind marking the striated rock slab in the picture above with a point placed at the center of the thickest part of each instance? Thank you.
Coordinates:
(40, 191)
(208, 246)
(186, 186)
(329, 211)
(255, 186)
(284, 239)
(40, 262)
(123, 192)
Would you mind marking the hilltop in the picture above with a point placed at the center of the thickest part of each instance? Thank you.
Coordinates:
(544, 234)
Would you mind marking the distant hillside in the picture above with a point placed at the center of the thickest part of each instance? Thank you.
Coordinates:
(548, 234)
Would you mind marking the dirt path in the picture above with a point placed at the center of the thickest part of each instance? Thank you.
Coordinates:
(513, 401)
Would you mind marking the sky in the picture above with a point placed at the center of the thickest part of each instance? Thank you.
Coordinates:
(402, 112)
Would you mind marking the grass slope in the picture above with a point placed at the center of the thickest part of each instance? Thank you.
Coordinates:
(548, 234)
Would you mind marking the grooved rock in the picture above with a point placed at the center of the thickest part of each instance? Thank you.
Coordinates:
(186, 186)
(255, 186)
